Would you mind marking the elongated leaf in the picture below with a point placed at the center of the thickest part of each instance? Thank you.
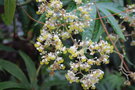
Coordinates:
(98, 34)
(31, 69)
(112, 7)
(41, 19)
(97, 31)
(14, 70)
(6, 48)
(9, 9)
(113, 22)
(88, 32)
(10, 84)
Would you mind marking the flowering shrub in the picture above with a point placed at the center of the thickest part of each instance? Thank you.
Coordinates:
(72, 43)
(60, 26)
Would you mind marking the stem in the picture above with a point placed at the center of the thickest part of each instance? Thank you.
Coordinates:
(14, 24)
(38, 69)
(106, 31)
(27, 14)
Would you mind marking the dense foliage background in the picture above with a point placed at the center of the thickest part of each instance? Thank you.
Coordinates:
(19, 59)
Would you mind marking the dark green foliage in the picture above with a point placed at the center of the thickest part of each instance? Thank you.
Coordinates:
(24, 76)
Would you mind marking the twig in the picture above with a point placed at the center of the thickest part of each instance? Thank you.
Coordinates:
(31, 17)
(38, 69)
(106, 31)
(68, 23)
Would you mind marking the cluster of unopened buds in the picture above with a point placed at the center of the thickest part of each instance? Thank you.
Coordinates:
(60, 26)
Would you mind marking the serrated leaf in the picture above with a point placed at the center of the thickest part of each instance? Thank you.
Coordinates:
(98, 30)
(14, 70)
(112, 7)
(30, 66)
(113, 22)
(9, 11)
(10, 84)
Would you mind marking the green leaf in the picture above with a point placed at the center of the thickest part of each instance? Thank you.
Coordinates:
(66, 2)
(31, 69)
(111, 81)
(10, 84)
(88, 31)
(14, 70)
(112, 7)
(41, 19)
(113, 22)
(71, 6)
(57, 80)
(6, 48)
(97, 34)
(1, 2)
(9, 11)
(97, 31)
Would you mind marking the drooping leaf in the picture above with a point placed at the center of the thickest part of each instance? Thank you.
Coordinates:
(6, 48)
(112, 7)
(113, 22)
(98, 30)
(30, 66)
(9, 11)
(15, 71)
(10, 84)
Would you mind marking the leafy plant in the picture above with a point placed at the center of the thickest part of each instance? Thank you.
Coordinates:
(106, 9)
(39, 78)
(112, 81)
(21, 79)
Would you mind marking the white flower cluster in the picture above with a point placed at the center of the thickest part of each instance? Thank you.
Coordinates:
(82, 63)
(61, 25)
(91, 79)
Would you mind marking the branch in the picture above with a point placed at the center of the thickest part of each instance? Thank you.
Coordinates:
(106, 31)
